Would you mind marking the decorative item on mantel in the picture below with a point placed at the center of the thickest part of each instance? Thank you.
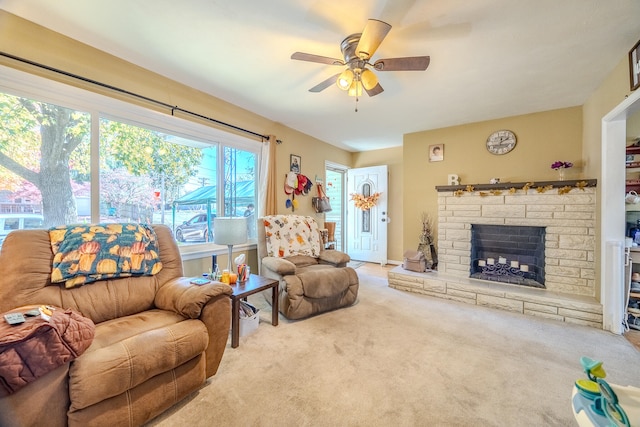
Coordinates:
(453, 179)
(514, 188)
(561, 166)
(426, 246)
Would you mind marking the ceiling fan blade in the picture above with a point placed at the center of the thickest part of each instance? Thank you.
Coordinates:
(301, 56)
(374, 32)
(411, 63)
(375, 90)
(325, 84)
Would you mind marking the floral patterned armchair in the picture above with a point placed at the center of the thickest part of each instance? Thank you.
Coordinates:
(312, 280)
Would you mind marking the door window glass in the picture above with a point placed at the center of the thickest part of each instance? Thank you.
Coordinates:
(366, 213)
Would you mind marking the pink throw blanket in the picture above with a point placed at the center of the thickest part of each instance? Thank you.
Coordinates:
(36, 347)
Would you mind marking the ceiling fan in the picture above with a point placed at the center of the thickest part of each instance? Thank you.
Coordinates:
(357, 50)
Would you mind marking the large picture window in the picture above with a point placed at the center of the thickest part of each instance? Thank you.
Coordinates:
(55, 170)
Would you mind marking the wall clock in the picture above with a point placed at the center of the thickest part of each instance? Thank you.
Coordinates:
(501, 142)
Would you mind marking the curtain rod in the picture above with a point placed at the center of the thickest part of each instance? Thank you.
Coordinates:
(173, 108)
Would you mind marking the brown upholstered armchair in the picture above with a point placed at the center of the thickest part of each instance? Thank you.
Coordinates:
(312, 280)
(157, 338)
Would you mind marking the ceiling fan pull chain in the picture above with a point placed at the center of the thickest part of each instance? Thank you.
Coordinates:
(357, 82)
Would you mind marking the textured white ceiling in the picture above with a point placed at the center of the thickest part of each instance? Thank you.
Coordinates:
(489, 58)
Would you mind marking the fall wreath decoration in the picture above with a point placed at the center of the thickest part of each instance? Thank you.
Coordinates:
(365, 202)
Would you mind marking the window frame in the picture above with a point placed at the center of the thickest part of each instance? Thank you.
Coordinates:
(23, 84)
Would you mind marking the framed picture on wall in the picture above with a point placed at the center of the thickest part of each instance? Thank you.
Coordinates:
(296, 163)
(634, 66)
(436, 153)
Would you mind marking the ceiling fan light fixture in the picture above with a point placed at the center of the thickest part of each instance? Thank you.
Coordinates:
(359, 74)
(345, 79)
(356, 88)
(369, 79)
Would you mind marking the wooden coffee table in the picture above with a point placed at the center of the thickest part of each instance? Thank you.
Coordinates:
(241, 291)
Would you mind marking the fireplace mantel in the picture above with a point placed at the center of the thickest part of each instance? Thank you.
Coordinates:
(519, 185)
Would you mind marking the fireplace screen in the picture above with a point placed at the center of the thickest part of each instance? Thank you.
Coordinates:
(508, 253)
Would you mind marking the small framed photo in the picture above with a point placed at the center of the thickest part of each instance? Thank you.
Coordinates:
(296, 163)
(634, 66)
(436, 153)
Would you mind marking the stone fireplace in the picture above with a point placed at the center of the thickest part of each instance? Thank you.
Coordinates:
(569, 219)
(564, 210)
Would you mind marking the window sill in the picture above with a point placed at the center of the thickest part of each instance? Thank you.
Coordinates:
(203, 250)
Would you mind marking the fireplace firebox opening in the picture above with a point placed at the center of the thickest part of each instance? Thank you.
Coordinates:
(508, 253)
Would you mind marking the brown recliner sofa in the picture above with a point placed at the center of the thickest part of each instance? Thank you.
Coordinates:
(157, 338)
(312, 280)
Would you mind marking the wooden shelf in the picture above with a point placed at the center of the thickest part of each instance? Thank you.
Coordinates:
(633, 150)
(518, 185)
(634, 294)
(632, 185)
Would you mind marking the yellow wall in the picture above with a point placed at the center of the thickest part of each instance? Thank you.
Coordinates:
(542, 138)
(609, 94)
(393, 158)
(314, 153)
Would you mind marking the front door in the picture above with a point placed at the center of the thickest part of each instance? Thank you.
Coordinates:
(367, 228)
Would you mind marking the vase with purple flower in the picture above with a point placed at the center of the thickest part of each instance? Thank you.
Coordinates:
(561, 167)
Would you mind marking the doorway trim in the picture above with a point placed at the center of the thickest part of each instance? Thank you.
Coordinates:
(341, 169)
(612, 221)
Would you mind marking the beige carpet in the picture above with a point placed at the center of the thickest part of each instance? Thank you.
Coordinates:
(355, 264)
(403, 359)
